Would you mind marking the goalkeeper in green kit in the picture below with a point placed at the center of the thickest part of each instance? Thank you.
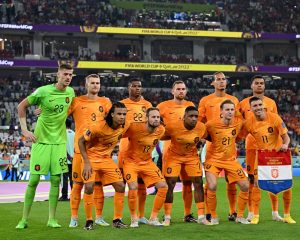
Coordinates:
(48, 151)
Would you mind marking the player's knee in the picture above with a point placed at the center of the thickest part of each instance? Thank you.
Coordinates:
(212, 186)
(171, 182)
(89, 188)
(251, 178)
(119, 187)
(186, 182)
(133, 186)
(55, 180)
(161, 185)
(244, 186)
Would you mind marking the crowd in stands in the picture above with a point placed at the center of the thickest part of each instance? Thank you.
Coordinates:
(233, 15)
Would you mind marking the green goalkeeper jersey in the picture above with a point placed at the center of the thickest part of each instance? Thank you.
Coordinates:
(51, 127)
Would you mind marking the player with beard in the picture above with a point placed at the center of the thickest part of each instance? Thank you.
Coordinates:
(174, 110)
(143, 137)
(87, 110)
(209, 109)
(137, 107)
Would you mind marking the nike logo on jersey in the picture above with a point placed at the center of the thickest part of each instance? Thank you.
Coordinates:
(51, 100)
(171, 112)
(83, 107)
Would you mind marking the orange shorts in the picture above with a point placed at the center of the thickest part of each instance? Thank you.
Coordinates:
(233, 170)
(76, 168)
(107, 171)
(250, 160)
(149, 172)
(185, 167)
(184, 174)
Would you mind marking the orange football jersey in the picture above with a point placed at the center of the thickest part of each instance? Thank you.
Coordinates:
(141, 142)
(267, 132)
(136, 112)
(244, 107)
(209, 106)
(87, 112)
(223, 137)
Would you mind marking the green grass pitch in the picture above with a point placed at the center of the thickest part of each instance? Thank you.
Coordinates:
(10, 214)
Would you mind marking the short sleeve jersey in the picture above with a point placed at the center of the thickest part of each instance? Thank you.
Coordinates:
(244, 107)
(170, 110)
(141, 142)
(267, 132)
(184, 141)
(209, 106)
(87, 112)
(223, 138)
(51, 126)
(136, 112)
(101, 141)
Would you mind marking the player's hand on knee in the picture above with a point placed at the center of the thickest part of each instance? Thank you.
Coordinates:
(87, 171)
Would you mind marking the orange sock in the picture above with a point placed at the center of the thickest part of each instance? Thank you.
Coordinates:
(98, 199)
(142, 194)
(207, 210)
(88, 201)
(287, 199)
(75, 199)
(256, 200)
(242, 203)
(250, 205)
(168, 208)
(187, 197)
(132, 203)
(118, 205)
(212, 203)
(159, 200)
(231, 196)
(274, 201)
(201, 208)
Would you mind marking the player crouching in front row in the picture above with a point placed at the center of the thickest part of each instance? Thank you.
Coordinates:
(96, 146)
(143, 137)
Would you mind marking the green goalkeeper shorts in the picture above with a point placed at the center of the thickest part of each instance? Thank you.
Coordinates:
(47, 158)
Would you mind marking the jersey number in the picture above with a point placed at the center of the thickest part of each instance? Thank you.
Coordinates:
(226, 141)
(138, 117)
(93, 117)
(58, 108)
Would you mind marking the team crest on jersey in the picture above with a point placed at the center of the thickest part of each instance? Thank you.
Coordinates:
(275, 173)
(144, 109)
(169, 170)
(75, 175)
(128, 176)
(207, 166)
(270, 130)
(196, 139)
(88, 133)
(67, 99)
(37, 167)
(233, 132)
(155, 142)
(100, 109)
